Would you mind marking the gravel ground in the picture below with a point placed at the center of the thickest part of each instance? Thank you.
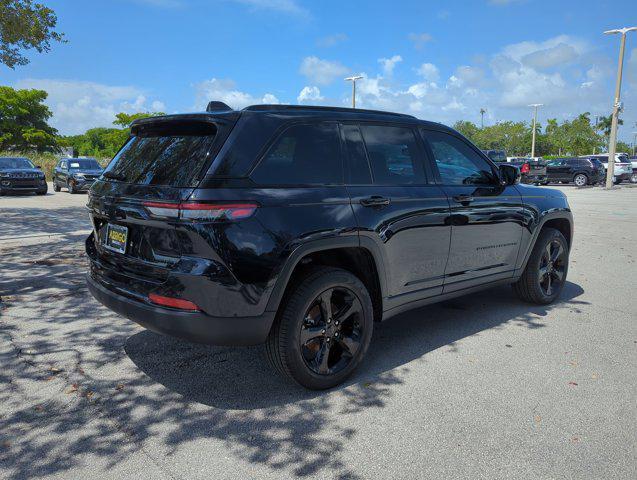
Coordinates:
(478, 387)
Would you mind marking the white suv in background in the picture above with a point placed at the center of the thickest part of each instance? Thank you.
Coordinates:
(623, 168)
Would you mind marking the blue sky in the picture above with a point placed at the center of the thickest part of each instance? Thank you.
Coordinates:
(441, 61)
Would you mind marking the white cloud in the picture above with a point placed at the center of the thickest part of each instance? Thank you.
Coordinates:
(78, 106)
(331, 40)
(225, 90)
(282, 6)
(420, 39)
(322, 72)
(560, 54)
(429, 72)
(389, 64)
(309, 94)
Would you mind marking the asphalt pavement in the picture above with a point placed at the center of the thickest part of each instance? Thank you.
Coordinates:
(483, 386)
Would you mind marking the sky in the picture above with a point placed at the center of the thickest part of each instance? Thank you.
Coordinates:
(440, 61)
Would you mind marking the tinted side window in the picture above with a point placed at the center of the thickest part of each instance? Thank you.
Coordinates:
(393, 155)
(303, 154)
(457, 162)
(357, 165)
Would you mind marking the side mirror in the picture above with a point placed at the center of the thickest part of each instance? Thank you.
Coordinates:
(509, 174)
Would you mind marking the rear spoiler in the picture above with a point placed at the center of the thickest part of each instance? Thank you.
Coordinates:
(226, 117)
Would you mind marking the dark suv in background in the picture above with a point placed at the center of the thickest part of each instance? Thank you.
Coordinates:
(20, 175)
(75, 174)
(577, 170)
(299, 227)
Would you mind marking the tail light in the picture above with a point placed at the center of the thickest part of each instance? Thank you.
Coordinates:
(201, 211)
(171, 302)
(526, 168)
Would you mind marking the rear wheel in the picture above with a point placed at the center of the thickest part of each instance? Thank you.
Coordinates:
(56, 187)
(580, 180)
(323, 330)
(545, 272)
(633, 177)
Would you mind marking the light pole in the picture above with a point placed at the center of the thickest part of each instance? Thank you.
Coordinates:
(612, 143)
(534, 105)
(634, 142)
(482, 112)
(353, 80)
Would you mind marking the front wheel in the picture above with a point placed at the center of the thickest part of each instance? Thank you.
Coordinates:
(545, 274)
(323, 330)
(633, 177)
(56, 187)
(71, 187)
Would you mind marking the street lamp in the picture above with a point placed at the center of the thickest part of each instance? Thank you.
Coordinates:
(353, 80)
(534, 105)
(482, 112)
(612, 143)
(634, 142)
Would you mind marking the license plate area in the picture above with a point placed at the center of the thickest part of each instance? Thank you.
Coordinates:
(116, 238)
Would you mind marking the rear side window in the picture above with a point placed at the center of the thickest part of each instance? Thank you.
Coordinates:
(303, 154)
(393, 155)
(171, 155)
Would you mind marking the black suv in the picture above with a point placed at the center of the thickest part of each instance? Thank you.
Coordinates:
(75, 174)
(580, 171)
(299, 227)
(20, 175)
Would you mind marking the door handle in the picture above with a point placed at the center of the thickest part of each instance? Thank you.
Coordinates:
(463, 199)
(375, 201)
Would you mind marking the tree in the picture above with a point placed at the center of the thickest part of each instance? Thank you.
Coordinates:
(604, 124)
(23, 121)
(105, 142)
(125, 119)
(25, 25)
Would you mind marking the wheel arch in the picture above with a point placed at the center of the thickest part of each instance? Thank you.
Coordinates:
(347, 253)
(561, 220)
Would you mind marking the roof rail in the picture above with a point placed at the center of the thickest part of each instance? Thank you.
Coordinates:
(265, 107)
(216, 106)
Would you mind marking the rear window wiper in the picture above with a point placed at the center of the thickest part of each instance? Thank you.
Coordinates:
(114, 176)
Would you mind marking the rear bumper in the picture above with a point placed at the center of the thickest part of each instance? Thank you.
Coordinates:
(192, 326)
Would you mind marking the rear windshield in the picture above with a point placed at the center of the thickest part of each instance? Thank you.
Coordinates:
(7, 163)
(84, 164)
(169, 154)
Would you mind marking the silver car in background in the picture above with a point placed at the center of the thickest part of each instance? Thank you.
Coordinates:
(623, 167)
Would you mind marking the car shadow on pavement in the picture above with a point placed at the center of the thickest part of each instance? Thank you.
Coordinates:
(236, 378)
(82, 386)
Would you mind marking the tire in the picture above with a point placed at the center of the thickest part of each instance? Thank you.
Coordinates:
(532, 285)
(56, 187)
(617, 182)
(71, 187)
(303, 316)
(633, 177)
(580, 180)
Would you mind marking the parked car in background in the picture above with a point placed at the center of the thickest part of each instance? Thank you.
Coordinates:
(496, 156)
(533, 170)
(623, 169)
(577, 170)
(299, 227)
(20, 175)
(76, 174)
(633, 162)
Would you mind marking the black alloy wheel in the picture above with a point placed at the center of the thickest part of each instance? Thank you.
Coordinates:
(323, 328)
(552, 267)
(331, 332)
